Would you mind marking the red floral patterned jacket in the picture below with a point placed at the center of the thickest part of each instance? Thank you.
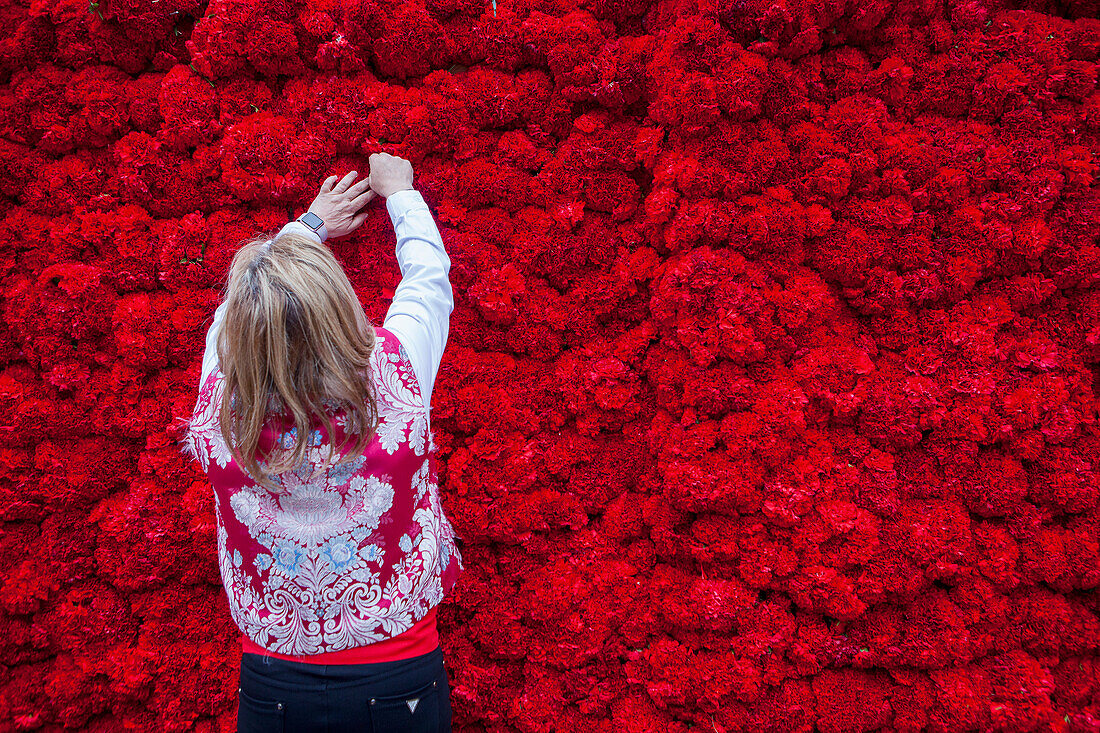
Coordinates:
(349, 555)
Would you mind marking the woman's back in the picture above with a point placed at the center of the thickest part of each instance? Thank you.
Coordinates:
(344, 555)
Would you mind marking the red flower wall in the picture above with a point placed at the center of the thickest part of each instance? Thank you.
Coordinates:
(770, 400)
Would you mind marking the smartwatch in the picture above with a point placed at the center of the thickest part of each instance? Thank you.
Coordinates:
(315, 223)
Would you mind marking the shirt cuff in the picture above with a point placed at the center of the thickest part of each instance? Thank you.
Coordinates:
(400, 202)
(298, 227)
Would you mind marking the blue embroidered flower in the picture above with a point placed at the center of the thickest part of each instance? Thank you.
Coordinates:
(339, 552)
(287, 557)
(262, 562)
(287, 439)
(370, 553)
(340, 475)
(406, 543)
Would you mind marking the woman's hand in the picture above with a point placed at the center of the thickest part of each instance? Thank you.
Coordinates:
(339, 203)
(390, 174)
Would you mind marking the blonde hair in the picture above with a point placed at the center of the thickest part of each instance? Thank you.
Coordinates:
(294, 337)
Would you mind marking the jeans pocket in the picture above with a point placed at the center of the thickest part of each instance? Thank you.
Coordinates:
(259, 716)
(413, 712)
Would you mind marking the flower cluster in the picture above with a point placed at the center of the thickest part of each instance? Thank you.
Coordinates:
(769, 401)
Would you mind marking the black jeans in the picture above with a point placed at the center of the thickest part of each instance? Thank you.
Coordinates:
(406, 696)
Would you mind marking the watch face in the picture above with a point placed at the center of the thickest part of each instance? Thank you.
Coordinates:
(311, 220)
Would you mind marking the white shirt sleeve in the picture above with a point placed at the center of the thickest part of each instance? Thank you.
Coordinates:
(420, 313)
(210, 356)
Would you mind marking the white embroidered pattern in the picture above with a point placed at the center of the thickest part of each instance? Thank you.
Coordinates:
(408, 408)
(202, 439)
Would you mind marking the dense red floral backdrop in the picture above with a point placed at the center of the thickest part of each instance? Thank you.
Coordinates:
(770, 400)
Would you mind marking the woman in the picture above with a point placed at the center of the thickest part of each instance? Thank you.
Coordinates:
(313, 427)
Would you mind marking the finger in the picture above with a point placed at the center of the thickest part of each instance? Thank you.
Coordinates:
(359, 187)
(327, 185)
(359, 219)
(344, 182)
(364, 198)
